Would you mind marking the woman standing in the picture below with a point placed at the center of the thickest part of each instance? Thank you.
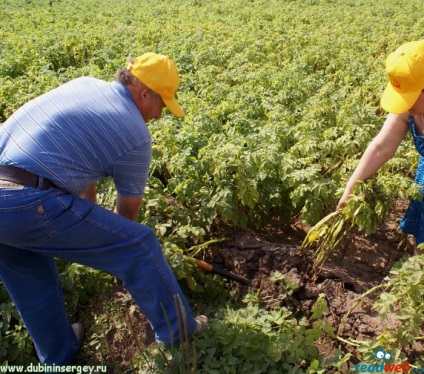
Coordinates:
(403, 98)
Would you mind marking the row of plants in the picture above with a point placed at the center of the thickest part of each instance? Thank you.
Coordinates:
(281, 97)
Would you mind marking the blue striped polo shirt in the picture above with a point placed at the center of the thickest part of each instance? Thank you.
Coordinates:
(78, 133)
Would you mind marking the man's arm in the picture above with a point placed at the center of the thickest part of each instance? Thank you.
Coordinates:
(90, 193)
(128, 206)
(125, 206)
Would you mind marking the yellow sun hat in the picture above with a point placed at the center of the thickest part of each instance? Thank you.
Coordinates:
(159, 73)
(405, 70)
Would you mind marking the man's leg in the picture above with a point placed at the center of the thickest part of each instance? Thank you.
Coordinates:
(33, 283)
(91, 235)
(131, 252)
(56, 224)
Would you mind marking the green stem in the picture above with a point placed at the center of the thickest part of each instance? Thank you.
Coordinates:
(355, 343)
(355, 304)
(197, 248)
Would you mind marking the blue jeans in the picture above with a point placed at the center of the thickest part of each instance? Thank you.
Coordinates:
(36, 226)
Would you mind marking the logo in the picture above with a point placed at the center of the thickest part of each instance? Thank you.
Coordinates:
(396, 84)
(385, 367)
(383, 355)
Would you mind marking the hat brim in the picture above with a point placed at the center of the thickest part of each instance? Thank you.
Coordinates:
(394, 102)
(174, 107)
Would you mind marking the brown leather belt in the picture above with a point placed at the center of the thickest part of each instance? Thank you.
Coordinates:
(21, 176)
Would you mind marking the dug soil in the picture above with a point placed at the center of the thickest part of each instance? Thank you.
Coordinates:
(354, 268)
(359, 264)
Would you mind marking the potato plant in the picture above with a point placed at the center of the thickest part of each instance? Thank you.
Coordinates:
(281, 96)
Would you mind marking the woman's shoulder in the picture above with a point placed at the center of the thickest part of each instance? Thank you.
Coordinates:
(398, 118)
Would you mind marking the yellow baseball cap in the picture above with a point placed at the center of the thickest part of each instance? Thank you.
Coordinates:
(405, 70)
(159, 73)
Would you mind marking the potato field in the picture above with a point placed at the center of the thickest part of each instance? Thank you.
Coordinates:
(281, 99)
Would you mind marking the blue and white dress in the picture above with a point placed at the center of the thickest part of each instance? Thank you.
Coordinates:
(413, 220)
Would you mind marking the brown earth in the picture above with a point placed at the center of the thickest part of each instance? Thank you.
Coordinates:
(361, 263)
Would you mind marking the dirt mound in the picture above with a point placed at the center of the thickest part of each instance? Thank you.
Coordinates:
(354, 268)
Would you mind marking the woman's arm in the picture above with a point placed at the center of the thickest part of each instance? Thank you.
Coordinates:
(378, 152)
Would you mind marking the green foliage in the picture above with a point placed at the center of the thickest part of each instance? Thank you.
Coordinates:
(275, 119)
(372, 200)
(401, 305)
(366, 209)
(15, 344)
(81, 282)
(282, 97)
(405, 302)
(255, 340)
(249, 338)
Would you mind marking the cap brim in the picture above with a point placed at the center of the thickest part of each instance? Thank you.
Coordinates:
(174, 107)
(394, 102)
